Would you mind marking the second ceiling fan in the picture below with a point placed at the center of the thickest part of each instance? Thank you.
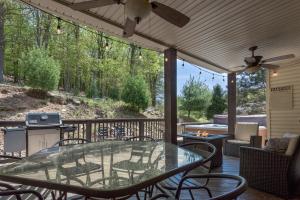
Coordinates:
(255, 62)
(136, 10)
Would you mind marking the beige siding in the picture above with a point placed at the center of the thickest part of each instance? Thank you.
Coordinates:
(281, 122)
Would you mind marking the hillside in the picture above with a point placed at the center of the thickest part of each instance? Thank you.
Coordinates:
(16, 101)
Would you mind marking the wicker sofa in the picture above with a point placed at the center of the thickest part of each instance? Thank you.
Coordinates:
(272, 172)
(246, 134)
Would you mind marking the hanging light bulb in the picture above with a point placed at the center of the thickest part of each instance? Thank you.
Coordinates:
(275, 73)
(58, 29)
(213, 77)
(106, 46)
(200, 72)
(223, 78)
(140, 54)
(166, 59)
(183, 63)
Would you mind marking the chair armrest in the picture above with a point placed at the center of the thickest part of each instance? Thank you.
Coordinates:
(229, 137)
(256, 141)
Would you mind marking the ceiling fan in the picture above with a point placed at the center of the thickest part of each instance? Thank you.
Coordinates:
(254, 63)
(136, 10)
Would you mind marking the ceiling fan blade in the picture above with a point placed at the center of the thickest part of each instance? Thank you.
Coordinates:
(85, 5)
(238, 68)
(129, 28)
(169, 14)
(278, 58)
(269, 66)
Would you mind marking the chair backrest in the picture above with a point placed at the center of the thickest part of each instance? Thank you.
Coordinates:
(205, 149)
(294, 173)
(140, 138)
(71, 141)
(244, 130)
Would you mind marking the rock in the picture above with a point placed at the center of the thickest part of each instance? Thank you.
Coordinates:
(4, 91)
(76, 102)
(56, 99)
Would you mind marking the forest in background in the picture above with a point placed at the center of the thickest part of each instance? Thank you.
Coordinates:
(40, 50)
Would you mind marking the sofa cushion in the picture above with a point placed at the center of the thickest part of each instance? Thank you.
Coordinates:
(279, 145)
(244, 130)
(239, 142)
(294, 138)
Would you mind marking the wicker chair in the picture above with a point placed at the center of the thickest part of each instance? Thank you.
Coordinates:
(246, 134)
(272, 172)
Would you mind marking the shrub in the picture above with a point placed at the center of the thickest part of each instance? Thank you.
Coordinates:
(41, 71)
(218, 102)
(135, 93)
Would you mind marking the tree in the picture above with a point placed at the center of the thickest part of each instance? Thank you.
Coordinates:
(196, 96)
(2, 38)
(135, 93)
(218, 104)
(41, 71)
(251, 94)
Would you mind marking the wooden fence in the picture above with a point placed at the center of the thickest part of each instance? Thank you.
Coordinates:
(97, 129)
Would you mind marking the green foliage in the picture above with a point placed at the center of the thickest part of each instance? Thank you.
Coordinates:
(135, 93)
(196, 97)
(88, 67)
(218, 104)
(251, 94)
(41, 71)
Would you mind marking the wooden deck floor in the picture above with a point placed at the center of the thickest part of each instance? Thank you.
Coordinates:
(230, 166)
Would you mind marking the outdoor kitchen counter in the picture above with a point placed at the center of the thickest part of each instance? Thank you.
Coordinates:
(105, 169)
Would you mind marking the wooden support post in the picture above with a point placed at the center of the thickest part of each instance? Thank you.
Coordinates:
(141, 128)
(231, 102)
(89, 131)
(170, 68)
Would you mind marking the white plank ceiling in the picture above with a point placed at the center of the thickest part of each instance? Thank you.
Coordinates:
(218, 35)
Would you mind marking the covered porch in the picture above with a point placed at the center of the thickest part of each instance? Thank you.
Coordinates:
(217, 38)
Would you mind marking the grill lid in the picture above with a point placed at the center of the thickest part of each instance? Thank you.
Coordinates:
(43, 119)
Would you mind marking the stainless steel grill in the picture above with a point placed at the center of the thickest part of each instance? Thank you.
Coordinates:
(43, 131)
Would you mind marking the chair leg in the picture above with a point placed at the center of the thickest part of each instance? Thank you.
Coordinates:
(191, 194)
(137, 196)
(208, 191)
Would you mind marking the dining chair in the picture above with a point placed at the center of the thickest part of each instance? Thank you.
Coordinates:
(206, 150)
(238, 189)
(140, 138)
(21, 191)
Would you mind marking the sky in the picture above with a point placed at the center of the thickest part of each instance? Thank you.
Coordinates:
(184, 73)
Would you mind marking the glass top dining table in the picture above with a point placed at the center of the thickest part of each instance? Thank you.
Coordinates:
(105, 169)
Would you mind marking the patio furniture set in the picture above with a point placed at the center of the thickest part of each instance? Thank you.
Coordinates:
(115, 169)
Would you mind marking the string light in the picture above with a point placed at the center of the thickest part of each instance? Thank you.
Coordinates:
(275, 73)
(58, 29)
(166, 59)
(213, 78)
(183, 63)
(223, 78)
(106, 46)
(140, 54)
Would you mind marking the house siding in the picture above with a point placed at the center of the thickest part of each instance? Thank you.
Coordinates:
(282, 121)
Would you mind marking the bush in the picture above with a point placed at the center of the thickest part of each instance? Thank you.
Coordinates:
(41, 71)
(135, 93)
(218, 102)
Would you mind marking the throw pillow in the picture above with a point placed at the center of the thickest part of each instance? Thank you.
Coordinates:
(279, 145)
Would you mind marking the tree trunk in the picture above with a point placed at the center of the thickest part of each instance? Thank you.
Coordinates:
(47, 34)
(132, 59)
(2, 39)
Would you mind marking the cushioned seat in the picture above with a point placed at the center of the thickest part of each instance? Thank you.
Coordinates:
(239, 141)
(246, 134)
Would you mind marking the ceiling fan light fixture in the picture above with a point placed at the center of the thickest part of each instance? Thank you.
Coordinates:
(136, 10)
(252, 69)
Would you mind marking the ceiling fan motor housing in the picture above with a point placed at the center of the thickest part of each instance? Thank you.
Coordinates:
(136, 10)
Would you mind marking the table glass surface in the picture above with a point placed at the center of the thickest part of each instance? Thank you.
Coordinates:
(108, 165)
